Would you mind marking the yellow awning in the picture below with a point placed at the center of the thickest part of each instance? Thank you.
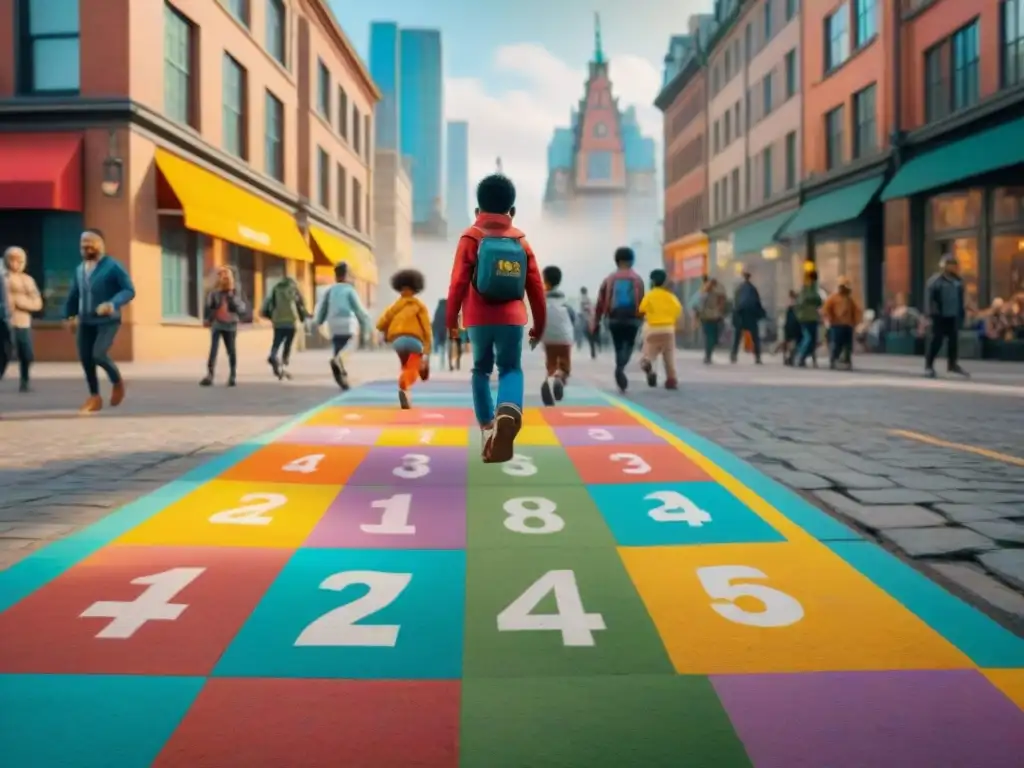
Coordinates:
(361, 264)
(218, 208)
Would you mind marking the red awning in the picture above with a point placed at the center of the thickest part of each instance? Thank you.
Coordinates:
(41, 171)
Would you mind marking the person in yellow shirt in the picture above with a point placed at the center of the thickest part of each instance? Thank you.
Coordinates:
(406, 326)
(661, 311)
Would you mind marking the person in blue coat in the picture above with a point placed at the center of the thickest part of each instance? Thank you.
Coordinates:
(100, 290)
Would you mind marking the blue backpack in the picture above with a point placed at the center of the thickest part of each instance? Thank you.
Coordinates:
(500, 272)
(624, 304)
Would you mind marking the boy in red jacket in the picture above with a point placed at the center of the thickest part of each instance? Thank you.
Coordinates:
(494, 270)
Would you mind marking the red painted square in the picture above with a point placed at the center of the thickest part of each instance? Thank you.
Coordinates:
(633, 464)
(46, 633)
(588, 416)
(435, 417)
(318, 724)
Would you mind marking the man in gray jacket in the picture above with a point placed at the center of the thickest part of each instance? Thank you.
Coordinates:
(944, 303)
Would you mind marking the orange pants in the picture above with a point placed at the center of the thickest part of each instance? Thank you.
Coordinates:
(410, 369)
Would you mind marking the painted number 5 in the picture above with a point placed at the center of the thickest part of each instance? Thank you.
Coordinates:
(719, 581)
(338, 627)
(520, 466)
(676, 508)
(634, 464)
(414, 466)
(253, 510)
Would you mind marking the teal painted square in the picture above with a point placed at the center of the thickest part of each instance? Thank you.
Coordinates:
(90, 721)
(985, 642)
(628, 512)
(428, 612)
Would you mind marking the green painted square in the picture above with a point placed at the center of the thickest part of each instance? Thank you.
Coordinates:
(534, 466)
(598, 722)
(556, 516)
(496, 578)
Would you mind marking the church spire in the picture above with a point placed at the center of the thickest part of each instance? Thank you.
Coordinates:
(598, 50)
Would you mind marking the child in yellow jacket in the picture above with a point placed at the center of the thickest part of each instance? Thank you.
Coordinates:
(406, 326)
(661, 311)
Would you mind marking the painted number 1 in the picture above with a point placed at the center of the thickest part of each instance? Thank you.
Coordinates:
(394, 519)
(719, 581)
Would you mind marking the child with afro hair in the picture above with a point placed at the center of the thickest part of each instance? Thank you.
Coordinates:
(406, 326)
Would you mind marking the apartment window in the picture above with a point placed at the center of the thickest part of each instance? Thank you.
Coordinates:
(716, 201)
(736, 190)
(728, 65)
(746, 108)
(936, 81)
(342, 113)
(356, 129)
(179, 39)
(342, 193)
(748, 42)
(834, 138)
(747, 182)
(736, 119)
(49, 46)
(1013, 42)
(323, 178)
(790, 160)
(323, 89)
(240, 10)
(791, 74)
(274, 137)
(181, 260)
(837, 37)
(864, 121)
(234, 108)
(965, 67)
(866, 14)
(736, 55)
(766, 95)
(768, 20)
(725, 196)
(714, 80)
(357, 199)
(728, 129)
(791, 8)
(276, 29)
(367, 137)
(716, 137)
(766, 164)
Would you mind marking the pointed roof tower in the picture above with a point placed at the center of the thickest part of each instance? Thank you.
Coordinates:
(598, 153)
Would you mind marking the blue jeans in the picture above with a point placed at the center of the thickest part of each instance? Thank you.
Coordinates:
(808, 341)
(407, 345)
(501, 344)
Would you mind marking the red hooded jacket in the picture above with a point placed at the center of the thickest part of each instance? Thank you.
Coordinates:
(463, 296)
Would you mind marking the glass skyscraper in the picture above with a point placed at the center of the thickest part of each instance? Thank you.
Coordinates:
(457, 207)
(384, 69)
(421, 108)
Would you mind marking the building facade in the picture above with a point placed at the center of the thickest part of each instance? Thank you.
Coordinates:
(392, 210)
(422, 126)
(260, 163)
(601, 174)
(457, 207)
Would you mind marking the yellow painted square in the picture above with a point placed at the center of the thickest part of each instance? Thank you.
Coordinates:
(817, 614)
(1010, 682)
(425, 436)
(532, 417)
(225, 513)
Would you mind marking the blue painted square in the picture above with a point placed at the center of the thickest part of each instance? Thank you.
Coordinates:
(297, 630)
(655, 514)
(90, 721)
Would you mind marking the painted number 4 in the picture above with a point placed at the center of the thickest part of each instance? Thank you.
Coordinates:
(676, 508)
(154, 604)
(305, 465)
(720, 582)
(576, 625)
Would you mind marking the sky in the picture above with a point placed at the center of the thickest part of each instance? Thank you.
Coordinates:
(514, 71)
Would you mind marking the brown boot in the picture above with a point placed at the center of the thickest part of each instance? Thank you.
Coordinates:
(91, 405)
(117, 394)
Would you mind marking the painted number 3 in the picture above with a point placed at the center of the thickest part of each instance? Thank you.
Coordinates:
(413, 467)
(635, 465)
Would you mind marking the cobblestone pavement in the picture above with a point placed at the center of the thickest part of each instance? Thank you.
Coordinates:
(60, 471)
(949, 496)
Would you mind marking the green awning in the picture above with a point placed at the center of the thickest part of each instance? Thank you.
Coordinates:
(833, 207)
(755, 237)
(990, 150)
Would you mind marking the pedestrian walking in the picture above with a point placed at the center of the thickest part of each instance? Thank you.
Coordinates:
(586, 321)
(842, 313)
(19, 298)
(709, 309)
(99, 291)
(342, 310)
(406, 326)
(619, 299)
(747, 313)
(944, 295)
(224, 306)
(791, 333)
(286, 309)
(440, 335)
(661, 311)
(557, 338)
(808, 312)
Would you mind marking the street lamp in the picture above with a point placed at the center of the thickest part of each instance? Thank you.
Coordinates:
(113, 170)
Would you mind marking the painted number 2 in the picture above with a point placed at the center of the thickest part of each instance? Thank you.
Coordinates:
(676, 508)
(522, 511)
(253, 510)
(576, 625)
(635, 465)
(719, 581)
(338, 627)
(413, 467)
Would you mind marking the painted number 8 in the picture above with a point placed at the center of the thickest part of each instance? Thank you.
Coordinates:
(520, 511)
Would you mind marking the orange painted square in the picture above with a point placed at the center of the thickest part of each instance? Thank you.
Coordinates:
(652, 464)
(270, 464)
(588, 416)
(352, 417)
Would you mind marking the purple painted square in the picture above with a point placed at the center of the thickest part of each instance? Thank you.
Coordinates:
(413, 467)
(570, 436)
(431, 517)
(905, 719)
(332, 436)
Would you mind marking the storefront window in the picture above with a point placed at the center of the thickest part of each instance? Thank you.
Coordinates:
(841, 258)
(244, 262)
(273, 273)
(1007, 276)
(897, 250)
(181, 262)
(1008, 205)
(965, 251)
(50, 238)
(957, 210)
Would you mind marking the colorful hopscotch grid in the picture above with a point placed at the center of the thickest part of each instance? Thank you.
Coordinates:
(365, 587)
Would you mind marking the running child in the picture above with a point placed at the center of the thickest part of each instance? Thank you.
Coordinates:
(661, 310)
(406, 326)
(345, 316)
(494, 270)
(619, 299)
(558, 337)
(286, 309)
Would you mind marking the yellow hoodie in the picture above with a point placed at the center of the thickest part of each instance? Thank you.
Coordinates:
(661, 309)
(408, 316)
